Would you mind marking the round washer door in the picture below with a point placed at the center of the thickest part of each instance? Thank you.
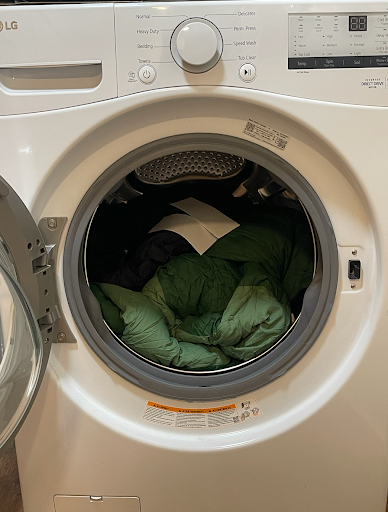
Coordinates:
(27, 301)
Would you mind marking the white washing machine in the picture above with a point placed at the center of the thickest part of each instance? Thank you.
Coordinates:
(90, 93)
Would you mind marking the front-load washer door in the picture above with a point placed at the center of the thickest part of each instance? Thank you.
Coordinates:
(27, 311)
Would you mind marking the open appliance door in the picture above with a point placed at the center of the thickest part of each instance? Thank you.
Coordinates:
(27, 311)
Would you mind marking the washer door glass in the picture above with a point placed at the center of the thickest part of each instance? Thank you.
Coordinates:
(27, 310)
(21, 350)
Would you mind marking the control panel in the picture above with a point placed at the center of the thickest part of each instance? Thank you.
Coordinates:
(326, 50)
(269, 46)
(190, 43)
(324, 41)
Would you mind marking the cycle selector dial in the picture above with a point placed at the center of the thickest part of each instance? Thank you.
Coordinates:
(196, 45)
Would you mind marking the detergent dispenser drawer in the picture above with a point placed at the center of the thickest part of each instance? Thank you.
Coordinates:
(65, 503)
(45, 65)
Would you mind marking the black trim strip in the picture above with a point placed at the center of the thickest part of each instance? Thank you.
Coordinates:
(374, 61)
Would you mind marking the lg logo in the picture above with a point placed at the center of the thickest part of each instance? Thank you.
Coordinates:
(8, 25)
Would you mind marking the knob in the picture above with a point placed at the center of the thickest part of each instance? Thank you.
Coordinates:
(196, 45)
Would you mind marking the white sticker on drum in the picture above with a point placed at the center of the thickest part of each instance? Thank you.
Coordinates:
(266, 134)
(221, 416)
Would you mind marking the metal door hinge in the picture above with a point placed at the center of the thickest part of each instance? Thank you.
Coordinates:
(51, 320)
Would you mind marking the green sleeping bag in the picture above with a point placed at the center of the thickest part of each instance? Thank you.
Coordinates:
(230, 304)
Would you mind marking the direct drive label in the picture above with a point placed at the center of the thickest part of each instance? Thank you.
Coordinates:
(266, 134)
(201, 418)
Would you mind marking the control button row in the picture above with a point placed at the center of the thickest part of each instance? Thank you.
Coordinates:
(337, 62)
(147, 74)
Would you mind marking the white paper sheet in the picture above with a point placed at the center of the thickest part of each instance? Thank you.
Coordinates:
(188, 227)
(212, 219)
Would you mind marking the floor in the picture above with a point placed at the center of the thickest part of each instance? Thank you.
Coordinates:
(10, 495)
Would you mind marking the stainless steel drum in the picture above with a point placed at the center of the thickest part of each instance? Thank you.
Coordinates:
(189, 165)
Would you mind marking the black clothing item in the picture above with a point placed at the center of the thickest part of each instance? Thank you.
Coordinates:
(134, 272)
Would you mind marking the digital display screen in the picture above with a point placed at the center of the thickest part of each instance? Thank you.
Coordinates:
(357, 23)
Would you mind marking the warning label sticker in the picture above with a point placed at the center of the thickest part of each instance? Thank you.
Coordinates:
(201, 418)
(266, 134)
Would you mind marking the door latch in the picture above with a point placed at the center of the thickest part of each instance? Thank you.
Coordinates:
(354, 271)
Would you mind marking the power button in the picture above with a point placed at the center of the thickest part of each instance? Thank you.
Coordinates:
(147, 74)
